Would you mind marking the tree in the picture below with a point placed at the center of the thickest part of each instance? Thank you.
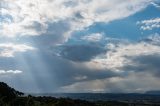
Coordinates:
(7, 92)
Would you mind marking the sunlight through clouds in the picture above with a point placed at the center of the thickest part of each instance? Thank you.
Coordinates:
(9, 49)
(80, 45)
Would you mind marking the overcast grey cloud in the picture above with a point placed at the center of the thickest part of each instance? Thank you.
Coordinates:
(145, 63)
(81, 52)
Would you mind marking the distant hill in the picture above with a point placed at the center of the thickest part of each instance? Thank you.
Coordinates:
(153, 92)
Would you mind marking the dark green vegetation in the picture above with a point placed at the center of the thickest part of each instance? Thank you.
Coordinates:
(11, 97)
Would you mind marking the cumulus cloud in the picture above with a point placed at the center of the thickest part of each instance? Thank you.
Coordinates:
(9, 49)
(153, 39)
(116, 56)
(123, 67)
(8, 72)
(95, 37)
(149, 24)
(88, 67)
(31, 17)
(133, 62)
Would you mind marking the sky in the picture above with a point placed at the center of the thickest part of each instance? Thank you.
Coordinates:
(79, 46)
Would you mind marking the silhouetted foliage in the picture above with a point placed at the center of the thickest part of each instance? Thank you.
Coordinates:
(11, 97)
(7, 93)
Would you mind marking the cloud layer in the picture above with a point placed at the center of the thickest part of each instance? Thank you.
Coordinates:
(150, 24)
(54, 44)
(29, 18)
(130, 61)
(8, 72)
(9, 49)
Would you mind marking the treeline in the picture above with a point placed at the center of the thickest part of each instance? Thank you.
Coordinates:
(51, 101)
(10, 97)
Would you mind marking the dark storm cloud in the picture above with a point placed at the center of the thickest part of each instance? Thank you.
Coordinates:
(58, 29)
(54, 33)
(66, 73)
(81, 52)
(145, 63)
(47, 72)
(78, 15)
(36, 25)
